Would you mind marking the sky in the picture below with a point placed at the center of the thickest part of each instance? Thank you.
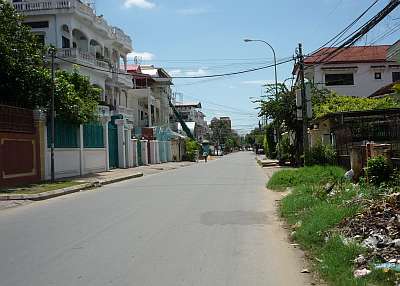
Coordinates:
(190, 38)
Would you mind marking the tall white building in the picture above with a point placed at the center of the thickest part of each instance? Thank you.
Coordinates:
(86, 39)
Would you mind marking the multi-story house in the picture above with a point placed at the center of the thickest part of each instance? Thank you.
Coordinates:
(150, 95)
(194, 117)
(356, 71)
(86, 40)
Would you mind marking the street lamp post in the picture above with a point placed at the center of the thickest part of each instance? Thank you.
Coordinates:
(275, 65)
(276, 73)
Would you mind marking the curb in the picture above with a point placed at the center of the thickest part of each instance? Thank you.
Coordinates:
(119, 179)
(66, 191)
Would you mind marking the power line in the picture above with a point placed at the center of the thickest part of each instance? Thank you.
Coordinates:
(181, 77)
(335, 40)
(357, 35)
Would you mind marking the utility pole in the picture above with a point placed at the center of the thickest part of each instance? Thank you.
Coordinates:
(300, 57)
(52, 121)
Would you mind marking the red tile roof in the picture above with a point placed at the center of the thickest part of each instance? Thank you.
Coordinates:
(134, 69)
(358, 54)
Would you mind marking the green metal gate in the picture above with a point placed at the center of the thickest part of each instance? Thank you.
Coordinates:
(113, 145)
(139, 153)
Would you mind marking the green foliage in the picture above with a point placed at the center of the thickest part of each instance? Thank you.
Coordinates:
(266, 145)
(280, 107)
(379, 170)
(286, 151)
(335, 103)
(304, 176)
(23, 79)
(192, 147)
(320, 154)
(269, 142)
(222, 134)
(75, 98)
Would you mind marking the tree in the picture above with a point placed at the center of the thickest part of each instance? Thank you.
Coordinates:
(25, 80)
(280, 108)
(76, 99)
(220, 131)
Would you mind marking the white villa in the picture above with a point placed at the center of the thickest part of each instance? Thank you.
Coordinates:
(134, 105)
(81, 37)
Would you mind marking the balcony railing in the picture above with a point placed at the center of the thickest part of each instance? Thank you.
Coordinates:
(114, 32)
(77, 54)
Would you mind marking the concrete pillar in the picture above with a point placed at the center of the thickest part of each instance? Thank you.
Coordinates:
(40, 125)
(356, 161)
(169, 151)
(144, 152)
(149, 102)
(157, 148)
(81, 152)
(134, 144)
(129, 146)
(163, 158)
(107, 147)
(121, 143)
(152, 159)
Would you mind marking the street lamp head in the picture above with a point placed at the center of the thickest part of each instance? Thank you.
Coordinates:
(248, 40)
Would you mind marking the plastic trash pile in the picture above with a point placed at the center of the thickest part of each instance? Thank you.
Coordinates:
(378, 229)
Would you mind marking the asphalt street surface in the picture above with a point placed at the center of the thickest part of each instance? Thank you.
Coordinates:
(207, 224)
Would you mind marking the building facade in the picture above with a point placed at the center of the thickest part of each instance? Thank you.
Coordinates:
(356, 71)
(86, 40)
(150, 95)
(191, 113)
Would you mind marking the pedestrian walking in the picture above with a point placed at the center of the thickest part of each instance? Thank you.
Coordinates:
(205, 155)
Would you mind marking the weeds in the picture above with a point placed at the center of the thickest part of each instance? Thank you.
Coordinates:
(315, 212)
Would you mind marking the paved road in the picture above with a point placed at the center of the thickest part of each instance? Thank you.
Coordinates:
(208, 224)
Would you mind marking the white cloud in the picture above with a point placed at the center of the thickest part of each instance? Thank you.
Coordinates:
(191, 11)
(176, 72)
(145, 4)
(145, 56)
(199, 72)
(180, 72)
(257, 82)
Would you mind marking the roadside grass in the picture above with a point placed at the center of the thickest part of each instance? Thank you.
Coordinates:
(314, 215)
(308, 176)
(38, 188)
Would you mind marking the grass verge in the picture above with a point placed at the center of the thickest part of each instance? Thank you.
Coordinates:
(314, 215)
(304, 176)
(38, 188)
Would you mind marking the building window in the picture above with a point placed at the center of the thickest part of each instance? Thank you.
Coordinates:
(396, 76)
(339, 79)
(65, 43)
(378, 75)
(38, 25)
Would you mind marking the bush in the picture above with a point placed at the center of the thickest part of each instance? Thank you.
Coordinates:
(320, 154)
(285, 150)
(379, 170)
(192, 147)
